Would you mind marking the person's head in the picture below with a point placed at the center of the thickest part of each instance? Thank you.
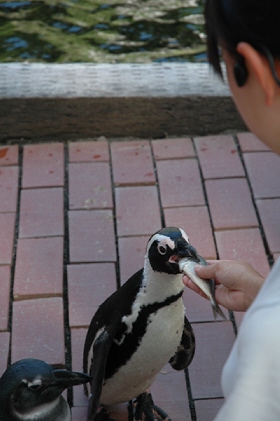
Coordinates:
(248, 32)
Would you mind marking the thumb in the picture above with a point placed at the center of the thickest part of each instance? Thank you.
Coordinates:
(205, 271)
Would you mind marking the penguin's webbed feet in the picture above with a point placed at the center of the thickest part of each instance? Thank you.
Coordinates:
(145, 410)
(103, 415)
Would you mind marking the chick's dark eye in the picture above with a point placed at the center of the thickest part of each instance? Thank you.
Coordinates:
(35, 386)
(162, 249)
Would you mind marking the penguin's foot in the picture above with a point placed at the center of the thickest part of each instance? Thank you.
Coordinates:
(103, 415)
(146, 410)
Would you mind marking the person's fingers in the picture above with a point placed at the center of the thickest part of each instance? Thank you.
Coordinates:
(206, 272)
(189, 283)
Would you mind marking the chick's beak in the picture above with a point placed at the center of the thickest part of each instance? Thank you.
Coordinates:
(69, 378)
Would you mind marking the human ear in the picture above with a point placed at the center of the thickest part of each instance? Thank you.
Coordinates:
(257, 64)
(240, 72)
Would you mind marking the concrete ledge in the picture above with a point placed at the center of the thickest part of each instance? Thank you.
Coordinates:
(36, 80)
(89, 100)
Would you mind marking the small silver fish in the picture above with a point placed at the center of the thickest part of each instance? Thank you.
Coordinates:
(186, 266)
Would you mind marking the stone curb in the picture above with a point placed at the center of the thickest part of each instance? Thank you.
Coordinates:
(89, 100)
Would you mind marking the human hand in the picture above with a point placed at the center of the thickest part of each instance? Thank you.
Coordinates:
(237, 283)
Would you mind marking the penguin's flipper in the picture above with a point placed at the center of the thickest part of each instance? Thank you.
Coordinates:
(146, 410)
(101, 349)
(185, 351)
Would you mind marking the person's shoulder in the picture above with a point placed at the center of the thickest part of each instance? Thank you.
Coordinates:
(261, 324)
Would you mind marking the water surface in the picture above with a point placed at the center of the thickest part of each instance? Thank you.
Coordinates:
(108, 31)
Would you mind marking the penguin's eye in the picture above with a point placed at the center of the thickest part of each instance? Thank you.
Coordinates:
(162, 249)
(35, 386)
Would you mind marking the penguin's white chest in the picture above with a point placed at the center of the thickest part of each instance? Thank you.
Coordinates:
(158, 345)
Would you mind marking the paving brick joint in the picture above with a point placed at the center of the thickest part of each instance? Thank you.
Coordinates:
(75, 218)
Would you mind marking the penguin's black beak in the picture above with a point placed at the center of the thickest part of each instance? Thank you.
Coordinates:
(184, 249)
(189, 251)
(69, 378)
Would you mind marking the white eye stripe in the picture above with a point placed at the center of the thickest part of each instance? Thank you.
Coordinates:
(35, 383)
(184, 235)
(162, 240)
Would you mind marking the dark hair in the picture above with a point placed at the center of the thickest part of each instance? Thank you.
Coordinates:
(229, 22)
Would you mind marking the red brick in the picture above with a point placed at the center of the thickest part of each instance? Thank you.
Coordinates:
(264, 173)
(137, 210)
(243, 244)
(89, 151)
(88, 286)
(43, 165)
(38, 330)
(269, 210)
(79, 413)
(92, 237)
(180, 183)
(198, 309)
(4, 351)
(41, 213)
(173, 148)
(90, 186)
(196, 222)
(213, 344)
(78, 337)
(250, 142)
(276, 256)
(8, 155)
(132, 163)
(207, 409)
(5, 285)
(131, 255)
(218, 157)
(7, 229)
(170, 394)
(8, 189)
(39, 268)
(230, 203)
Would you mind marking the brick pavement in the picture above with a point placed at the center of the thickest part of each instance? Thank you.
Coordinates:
(74, 221)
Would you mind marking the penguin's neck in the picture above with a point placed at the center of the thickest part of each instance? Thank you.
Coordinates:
(158, 286)
(155, 288)
(57, 409)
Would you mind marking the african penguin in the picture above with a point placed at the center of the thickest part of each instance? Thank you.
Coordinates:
(30, 390)
(139, 329)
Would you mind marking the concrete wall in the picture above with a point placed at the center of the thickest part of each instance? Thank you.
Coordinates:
(46, 101)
